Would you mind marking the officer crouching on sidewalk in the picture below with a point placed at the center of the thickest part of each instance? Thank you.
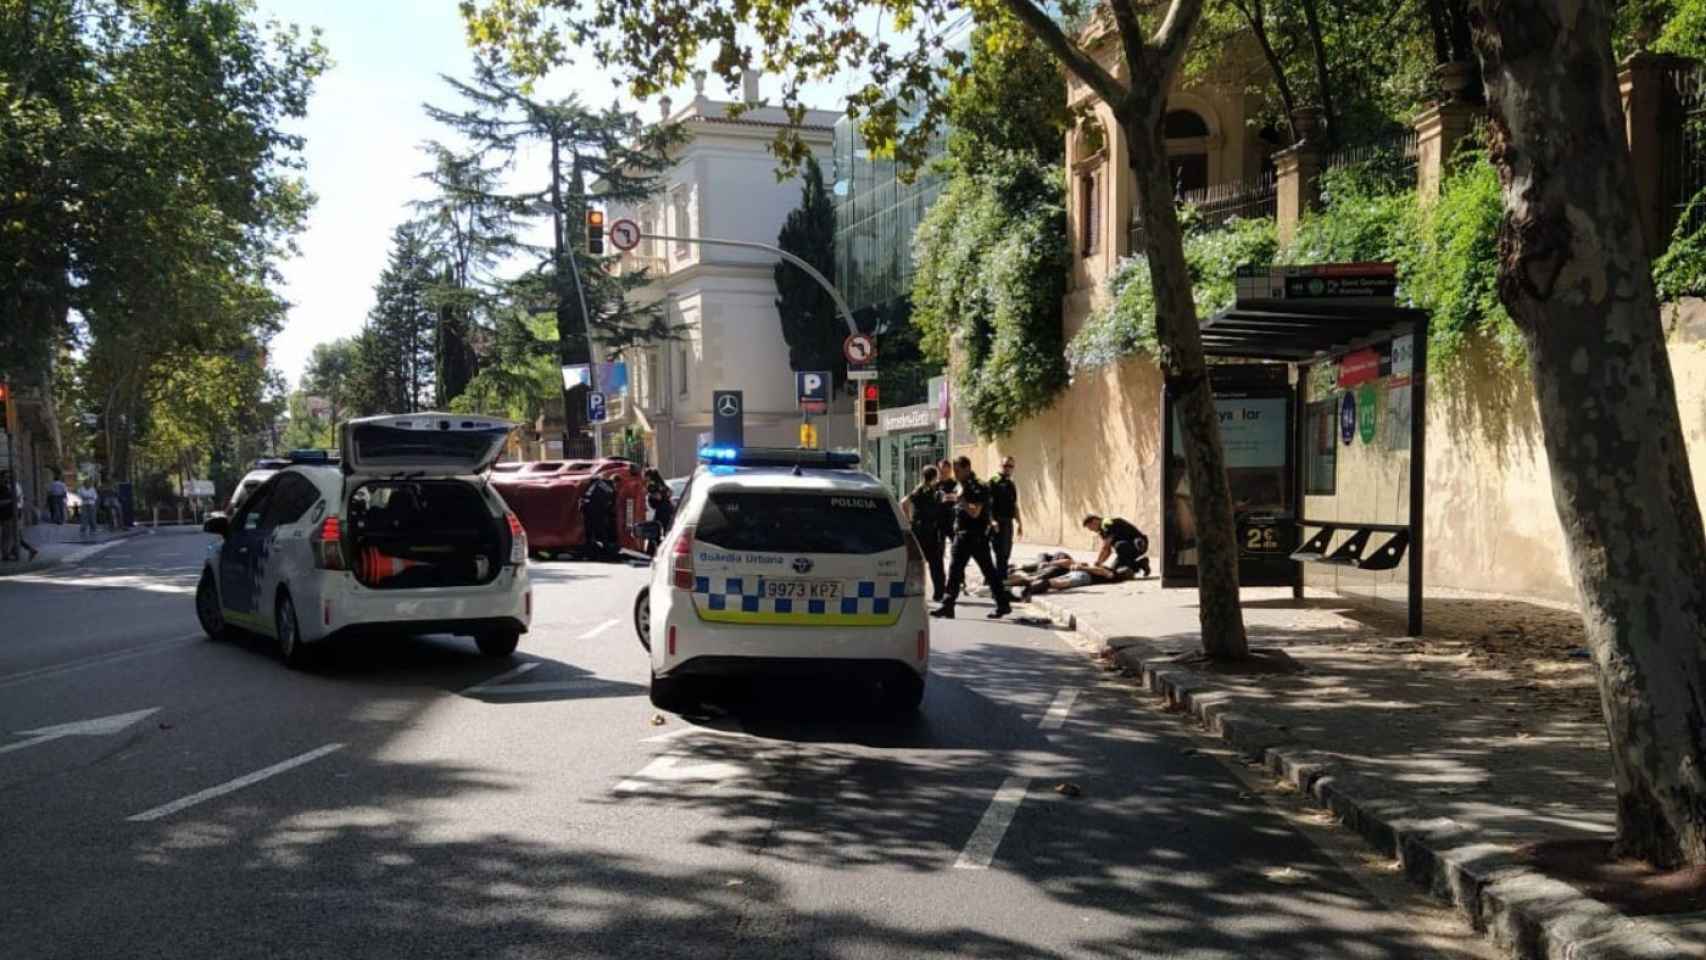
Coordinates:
(971, 543)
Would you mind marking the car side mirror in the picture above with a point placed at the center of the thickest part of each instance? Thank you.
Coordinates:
(219, 525)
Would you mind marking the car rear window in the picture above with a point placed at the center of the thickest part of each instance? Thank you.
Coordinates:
(799, 522)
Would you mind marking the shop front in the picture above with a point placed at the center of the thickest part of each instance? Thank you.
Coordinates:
(906, 440)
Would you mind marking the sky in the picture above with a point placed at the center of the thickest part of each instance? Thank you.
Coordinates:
(364, 129)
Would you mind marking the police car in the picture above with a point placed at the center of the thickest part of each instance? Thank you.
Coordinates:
(400, 535)
(786, 564)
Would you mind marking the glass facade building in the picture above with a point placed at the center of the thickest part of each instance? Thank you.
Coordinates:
(875, 216)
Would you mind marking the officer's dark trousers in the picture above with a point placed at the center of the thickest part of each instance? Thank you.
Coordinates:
(930, 539)
(1002, 545)
(969, 548)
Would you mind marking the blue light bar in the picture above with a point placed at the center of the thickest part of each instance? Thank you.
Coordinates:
(778, 457)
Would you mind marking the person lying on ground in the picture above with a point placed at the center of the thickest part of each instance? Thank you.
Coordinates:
(1076, 575)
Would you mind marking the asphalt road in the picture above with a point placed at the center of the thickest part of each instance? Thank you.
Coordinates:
(413, 799)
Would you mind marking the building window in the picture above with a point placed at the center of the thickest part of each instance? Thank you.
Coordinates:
(1089, 213)
(653, 395)
(678, 199)
(681, 357)
(1321, 425)
(1187, 136)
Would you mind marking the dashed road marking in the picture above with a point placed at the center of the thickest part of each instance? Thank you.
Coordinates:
(1056, 714)
(595, 631)
(231, 786)
(488, 686)
(671, 768)
(986, 839)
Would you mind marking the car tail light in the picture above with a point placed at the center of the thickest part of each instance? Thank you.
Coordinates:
(517, 540)
(914, 567)
(672, 641)
(681, 559)
(924, 644)
(326, 613)
(328, 545)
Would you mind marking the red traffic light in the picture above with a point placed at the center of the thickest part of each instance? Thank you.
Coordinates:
(2, 392)
(870, 393)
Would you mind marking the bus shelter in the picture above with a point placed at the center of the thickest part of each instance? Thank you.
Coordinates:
(1319, 381)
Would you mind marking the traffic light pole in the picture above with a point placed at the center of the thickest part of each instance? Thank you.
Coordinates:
(811, 271)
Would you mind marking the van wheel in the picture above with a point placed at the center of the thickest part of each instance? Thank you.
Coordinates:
(498, 643)
(291, 648)
(643, 617)
(674, 694)
(207, 607)
(903, 695)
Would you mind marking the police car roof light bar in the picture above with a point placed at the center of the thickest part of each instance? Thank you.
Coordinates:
(778, 457)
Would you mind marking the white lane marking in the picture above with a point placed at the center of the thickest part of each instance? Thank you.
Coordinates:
(670, 768)
(42, 673)
(542, 686)
(98, 727)
(1056, 715)
(485, 686)
(595, 631)
(78, 556)
(114, 582)
(980, 849)
(231, 786)
(690, 730)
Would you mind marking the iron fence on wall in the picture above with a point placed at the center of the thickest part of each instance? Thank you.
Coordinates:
(1400, 145)
(1684, 159)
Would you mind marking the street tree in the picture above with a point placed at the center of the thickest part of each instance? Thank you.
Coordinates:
(396, 370)
(1127, 53)
(811, 324)
(588, 156)
(1574, 275)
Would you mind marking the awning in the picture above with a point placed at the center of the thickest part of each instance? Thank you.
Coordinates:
(1296, 333)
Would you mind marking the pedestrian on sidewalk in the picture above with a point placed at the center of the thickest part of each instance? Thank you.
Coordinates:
(1004, 514)
(1121, 539)
(56, 492)
(923, 508)
(971, 544)
(86, 512)
(11, 535)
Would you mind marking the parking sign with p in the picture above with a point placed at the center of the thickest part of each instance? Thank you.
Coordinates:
(812, 390)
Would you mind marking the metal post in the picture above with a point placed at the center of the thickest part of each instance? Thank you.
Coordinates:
(1300, 467)
(1418, 469)
(591, 359)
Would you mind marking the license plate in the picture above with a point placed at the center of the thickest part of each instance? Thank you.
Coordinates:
(802, 589)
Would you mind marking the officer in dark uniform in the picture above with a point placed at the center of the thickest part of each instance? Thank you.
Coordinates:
(924, 510)
(1121, 539)
(971, 543)
(1004, 511)
(948, 492)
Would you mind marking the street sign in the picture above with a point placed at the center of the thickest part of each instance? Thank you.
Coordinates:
(860, 349)
(624, 235)
(811, 390)
(200, 488)
(869, 373)
(597, 407)
(727, 428)
(1348, 417)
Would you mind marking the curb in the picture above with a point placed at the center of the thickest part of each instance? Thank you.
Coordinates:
(1525, 913)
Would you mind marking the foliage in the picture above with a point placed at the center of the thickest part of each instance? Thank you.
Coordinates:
(1662, 26)
(1450, 266)
(1010, 98)
(1680, 271)
(1126, 323)
(811, 324)
(991, 261)
(395, 373)
(151, 188)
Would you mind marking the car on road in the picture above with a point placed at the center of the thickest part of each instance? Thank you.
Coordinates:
(785, 564)
(262, 471)
(402, 535)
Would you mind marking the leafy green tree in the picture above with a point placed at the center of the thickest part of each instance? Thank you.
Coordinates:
(811, 324)
(1010, 98)
(590, 156)
(398, 371)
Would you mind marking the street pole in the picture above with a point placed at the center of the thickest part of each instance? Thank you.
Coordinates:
(811, 271)
(591, 359)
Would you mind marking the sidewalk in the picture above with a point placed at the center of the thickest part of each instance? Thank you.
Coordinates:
(1448, 752)
(62, 543)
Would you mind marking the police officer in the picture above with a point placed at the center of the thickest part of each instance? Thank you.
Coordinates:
(923, 508)
(1120, 538)
(1004, 512)
(948, 492)
(971, 543)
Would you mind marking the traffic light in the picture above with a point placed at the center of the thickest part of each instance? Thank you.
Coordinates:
(595, 231)
(870, 404)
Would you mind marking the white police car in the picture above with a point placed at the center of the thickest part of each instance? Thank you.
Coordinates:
(787, 564)
(402, 535)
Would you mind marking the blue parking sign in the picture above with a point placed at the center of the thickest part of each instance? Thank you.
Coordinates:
(596, 409)
(812, 390)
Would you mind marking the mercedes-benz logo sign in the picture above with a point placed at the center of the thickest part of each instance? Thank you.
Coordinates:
(802, 564)
(728, 406)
